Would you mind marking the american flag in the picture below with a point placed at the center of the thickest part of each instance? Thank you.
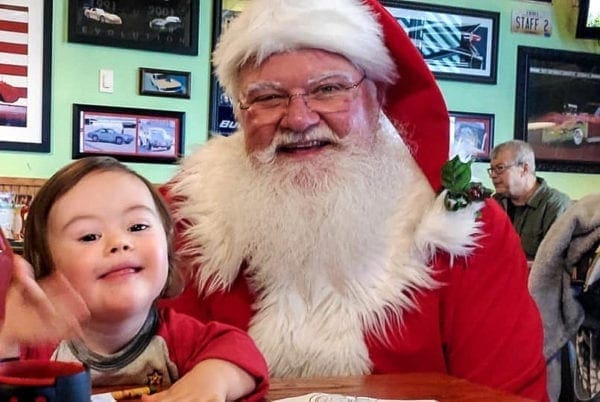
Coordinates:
(14, 38)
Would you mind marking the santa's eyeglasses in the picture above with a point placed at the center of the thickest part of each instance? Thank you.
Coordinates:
(324, 97)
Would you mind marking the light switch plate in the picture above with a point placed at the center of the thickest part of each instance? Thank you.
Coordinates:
(106, 81)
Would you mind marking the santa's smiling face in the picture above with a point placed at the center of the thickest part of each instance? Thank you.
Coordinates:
(298, 106)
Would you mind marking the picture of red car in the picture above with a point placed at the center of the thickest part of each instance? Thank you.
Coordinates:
(569, 126)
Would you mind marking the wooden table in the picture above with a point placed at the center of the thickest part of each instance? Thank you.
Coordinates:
(437, 386)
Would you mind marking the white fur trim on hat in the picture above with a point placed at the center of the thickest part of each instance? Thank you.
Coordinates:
(266, 27)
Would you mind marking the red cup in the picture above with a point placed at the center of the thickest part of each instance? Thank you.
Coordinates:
(51, 381)
(6, 268)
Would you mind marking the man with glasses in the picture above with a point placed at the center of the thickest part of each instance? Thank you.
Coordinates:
(531, 205)
(317, 226)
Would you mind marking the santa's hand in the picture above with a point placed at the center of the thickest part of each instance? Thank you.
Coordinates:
(43, 311)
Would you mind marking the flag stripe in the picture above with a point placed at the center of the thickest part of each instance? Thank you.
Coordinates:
(13, 26)
(10, 69)
(15, 48)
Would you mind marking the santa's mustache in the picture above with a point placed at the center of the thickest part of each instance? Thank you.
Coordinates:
(289, 139)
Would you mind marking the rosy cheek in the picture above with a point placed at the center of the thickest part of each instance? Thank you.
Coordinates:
(363, 117)
(345, 123)
(341, 127)
(258, 134)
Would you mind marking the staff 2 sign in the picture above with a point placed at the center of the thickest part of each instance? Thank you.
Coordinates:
(531, 22)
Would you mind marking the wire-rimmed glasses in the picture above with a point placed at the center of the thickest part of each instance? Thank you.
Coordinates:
(326, 97)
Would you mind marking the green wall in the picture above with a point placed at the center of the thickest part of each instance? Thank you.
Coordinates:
(75, 69)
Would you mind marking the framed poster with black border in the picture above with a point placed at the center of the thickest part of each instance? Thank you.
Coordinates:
(25, 75)
(457, 43)
(472, 133)
(588, 20)
(128, 134)
(169, 83)
(222, 119)
(157, 25)
(557, 108)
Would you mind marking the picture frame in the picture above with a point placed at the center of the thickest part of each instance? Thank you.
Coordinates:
(457, 43)
(16, 195)
(128, 134)
(153, 25)
(472, 133)
(557, 108)
(25, 76)
(222, 118)
(169, 83)
(588, 20)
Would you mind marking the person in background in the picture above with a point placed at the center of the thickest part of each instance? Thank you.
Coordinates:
(316, 226)
(563, 282)
(101, 260)
(531, 205)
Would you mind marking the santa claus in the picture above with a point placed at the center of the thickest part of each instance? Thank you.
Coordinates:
(317, 226)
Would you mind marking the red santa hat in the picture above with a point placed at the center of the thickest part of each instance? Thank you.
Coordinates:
(365, 33)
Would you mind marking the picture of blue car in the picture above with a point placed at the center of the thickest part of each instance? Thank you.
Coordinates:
(109, 135)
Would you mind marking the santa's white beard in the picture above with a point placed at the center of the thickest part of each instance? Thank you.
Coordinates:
(313, 222)
(322, 237)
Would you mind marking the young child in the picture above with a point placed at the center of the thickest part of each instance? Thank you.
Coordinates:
(98, 237)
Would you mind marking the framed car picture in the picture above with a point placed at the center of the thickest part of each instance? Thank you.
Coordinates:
(471, 134)
(588, 20)
(557, 108)
(130, 135)
(158, 25)
(457, 43)
(169, 83)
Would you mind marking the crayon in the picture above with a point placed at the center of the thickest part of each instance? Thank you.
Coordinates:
(130, 393)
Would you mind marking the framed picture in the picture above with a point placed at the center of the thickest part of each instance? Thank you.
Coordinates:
(130, 135)
(158, 25)
(457, 43)
(26, 47)
(472, 134)
(558, 108)
(164, 83)
(16, 195)
(222, 120)
(588, 20)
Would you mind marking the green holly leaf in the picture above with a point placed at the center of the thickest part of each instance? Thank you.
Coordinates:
(456, 175)
(456, 179)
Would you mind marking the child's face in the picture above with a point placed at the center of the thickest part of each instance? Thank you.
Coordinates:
(105, 235)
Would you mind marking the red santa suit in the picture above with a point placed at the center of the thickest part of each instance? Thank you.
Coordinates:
(430, 289)
(453, 305)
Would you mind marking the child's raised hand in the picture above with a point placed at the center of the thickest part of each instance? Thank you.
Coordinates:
(41, 311)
